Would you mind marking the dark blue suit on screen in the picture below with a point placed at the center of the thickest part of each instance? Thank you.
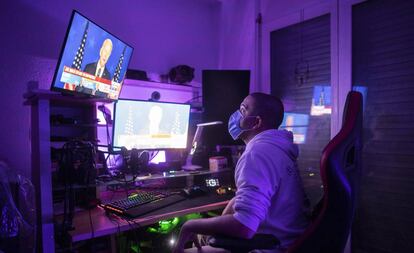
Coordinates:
(91, 69)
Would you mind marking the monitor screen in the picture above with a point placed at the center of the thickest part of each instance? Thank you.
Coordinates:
(297, 123)
(92, 61)
(321, 101)
(150, 125)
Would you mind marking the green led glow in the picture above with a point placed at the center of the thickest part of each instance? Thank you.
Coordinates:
(192, 216)
(152, 230)
(166, 226)
(135, 248)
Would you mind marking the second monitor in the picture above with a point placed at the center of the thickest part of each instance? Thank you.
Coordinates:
(150, 125)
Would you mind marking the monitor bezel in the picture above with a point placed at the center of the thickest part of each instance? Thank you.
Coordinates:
(75, 93)
(149, 101)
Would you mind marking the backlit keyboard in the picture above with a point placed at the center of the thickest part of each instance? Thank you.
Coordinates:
(134, 200)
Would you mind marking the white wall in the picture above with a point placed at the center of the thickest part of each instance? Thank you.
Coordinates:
(238, 36)
(275, 10)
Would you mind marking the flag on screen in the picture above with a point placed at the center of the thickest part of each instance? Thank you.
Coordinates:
(77, 62)
(129, 124)
(117, 74)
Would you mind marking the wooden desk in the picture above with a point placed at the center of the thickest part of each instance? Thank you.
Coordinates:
(105, 225)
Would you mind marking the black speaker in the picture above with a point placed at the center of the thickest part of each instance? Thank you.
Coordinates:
(223, 91)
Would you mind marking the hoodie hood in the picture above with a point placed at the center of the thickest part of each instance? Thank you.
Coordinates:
(283, 139)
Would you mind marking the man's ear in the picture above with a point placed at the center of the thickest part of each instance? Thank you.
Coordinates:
(259, 122)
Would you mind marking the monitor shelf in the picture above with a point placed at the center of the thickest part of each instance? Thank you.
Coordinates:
(79, 125)
(57, 97)
(48, 136)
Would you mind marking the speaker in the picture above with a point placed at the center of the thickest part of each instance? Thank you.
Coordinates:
(223, 91)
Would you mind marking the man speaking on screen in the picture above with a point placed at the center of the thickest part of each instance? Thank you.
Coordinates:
(98, 68)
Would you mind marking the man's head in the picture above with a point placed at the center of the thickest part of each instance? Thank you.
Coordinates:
(155, 117)
(105, 52)
(259, 112)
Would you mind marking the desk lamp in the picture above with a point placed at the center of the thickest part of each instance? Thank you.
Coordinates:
(196, 143)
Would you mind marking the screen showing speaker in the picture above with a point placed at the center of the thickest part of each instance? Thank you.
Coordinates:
(150, 125)
(92, 61)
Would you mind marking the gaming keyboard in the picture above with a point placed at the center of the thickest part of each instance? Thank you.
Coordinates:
(142, 202)
(154, 205)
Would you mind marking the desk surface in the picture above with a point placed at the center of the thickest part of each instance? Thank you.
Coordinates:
(104, 224)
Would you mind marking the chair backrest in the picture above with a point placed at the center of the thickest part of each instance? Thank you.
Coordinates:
(340, 168)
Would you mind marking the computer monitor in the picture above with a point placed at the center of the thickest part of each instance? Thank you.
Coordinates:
(92, 61)
(149, 125)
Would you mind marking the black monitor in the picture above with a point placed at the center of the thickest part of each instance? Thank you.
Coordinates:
(149, 125)
(92, 60)
(223, 91)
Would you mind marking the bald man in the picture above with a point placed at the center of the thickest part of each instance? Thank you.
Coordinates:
(99, 68)
(270, 198)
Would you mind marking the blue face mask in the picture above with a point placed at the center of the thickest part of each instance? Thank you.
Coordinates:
(234, 125)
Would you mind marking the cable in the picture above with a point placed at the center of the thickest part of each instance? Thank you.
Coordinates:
(126, 187)
(132, 227)
(107, 116)
(113, 219)
(92, 231)
(76, 163)
(191, 99)
(93, 166)
(153, 155)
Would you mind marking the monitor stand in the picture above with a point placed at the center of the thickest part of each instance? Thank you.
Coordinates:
(189, 166)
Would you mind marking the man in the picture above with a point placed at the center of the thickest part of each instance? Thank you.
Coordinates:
(154, 117)
(98, 68)
(270, 198)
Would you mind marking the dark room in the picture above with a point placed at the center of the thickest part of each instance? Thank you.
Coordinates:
(207, 126)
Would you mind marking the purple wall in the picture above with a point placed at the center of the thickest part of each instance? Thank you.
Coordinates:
(164, 33)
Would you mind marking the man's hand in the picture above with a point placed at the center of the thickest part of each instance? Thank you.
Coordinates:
(186, 235)
(223, 225)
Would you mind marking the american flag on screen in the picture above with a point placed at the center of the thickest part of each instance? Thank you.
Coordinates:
(117, 74)
(77, 62)
(129, 124)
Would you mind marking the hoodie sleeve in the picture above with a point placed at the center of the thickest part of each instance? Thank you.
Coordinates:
(256, 185)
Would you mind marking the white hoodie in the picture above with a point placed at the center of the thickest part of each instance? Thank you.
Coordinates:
(270, 198)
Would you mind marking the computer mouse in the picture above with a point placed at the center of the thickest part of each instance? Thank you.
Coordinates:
(193, 191)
